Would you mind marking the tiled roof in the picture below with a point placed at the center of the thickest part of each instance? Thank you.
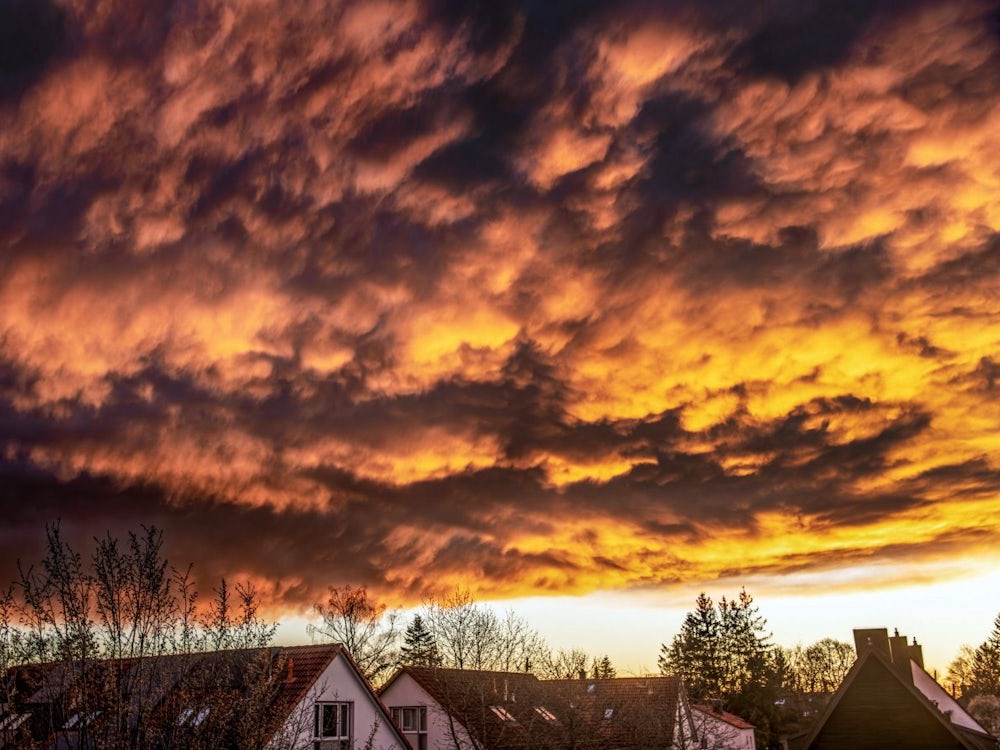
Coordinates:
(303, 665)
(624, 711)
(628, 712)
(499, 708)
(170, 684)
(717, 713)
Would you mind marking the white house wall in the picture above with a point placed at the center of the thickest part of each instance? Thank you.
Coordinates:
(339, 682)
(442, 734)
(721, 735)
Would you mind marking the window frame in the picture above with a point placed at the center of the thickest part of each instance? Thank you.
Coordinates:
(343, 721)
(417, 737)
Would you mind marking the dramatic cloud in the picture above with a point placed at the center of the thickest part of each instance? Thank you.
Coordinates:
(525, 297)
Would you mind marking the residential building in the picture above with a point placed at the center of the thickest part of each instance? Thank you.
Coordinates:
(720, 730)
(629, 712)
(290, 698)
(888, 700)
(439, 709)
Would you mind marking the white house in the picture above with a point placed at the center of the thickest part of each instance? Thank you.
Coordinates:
(334, 706)
(721, 730)
(451, 709)
(290, 698)
(455, 709)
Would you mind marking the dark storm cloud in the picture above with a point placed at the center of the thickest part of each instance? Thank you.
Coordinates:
(529, 294)
(31, 35)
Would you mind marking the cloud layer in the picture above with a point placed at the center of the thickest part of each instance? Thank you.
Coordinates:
(527, 297)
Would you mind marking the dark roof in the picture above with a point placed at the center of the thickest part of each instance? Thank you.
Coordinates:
(301, 665)
(500, 709)
(625, 711)
(174, 682)
(516, 710)
(877, 705)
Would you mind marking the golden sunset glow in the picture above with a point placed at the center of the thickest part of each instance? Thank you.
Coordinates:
(530, 302)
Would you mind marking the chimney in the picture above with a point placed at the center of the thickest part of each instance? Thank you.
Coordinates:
(866, 638)
(917, 653)
(290, 670)
(583, 674)
(899, 650)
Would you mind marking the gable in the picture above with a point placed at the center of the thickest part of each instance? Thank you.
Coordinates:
(877, 711)
(341, 682)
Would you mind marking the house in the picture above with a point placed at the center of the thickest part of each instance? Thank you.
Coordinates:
(721, 730)
(290, 698)
(888, 700)
(464, 709)
(476, 710)
(629, 712)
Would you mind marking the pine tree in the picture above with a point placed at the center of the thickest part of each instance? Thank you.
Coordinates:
(603, 669)
(986, 664)
(693, 655)
(419, 648)
(746, 650)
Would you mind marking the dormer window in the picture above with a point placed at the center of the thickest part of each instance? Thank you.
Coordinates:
(502, 713)
(192, 717)
(545, 713)
(80, 719)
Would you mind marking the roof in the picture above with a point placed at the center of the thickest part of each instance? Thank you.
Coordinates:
(717, 713)
(303, 666)
(500, 709)
(879, 705)
(170, 684)
(625, 711)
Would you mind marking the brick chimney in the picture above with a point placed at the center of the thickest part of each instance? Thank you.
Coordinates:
(866, 638)
(900, 652)
(894, 647)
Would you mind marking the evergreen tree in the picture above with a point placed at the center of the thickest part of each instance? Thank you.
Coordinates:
(986, 664)
(419, 648)
(745, 651)
(603, 669)
(726, 652)
(693, 655)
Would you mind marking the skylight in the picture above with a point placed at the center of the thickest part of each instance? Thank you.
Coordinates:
(502, 713)
(545, 713)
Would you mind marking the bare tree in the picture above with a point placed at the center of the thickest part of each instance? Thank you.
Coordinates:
(986, 710)
(111, 648)
(470, 635)
(368, 630)
(960, 671)
(564, 664)
(819, 667)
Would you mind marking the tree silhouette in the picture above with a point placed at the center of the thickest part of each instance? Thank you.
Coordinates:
(366, 628)
(419, 648)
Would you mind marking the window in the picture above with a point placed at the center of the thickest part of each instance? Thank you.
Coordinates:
(412, 722)
(80, 719)
(191, 717)
(10, 722)
(545, 713)
(332, 726)
(503, 713)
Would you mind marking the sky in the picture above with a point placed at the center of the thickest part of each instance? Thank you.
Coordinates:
(583, 306)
